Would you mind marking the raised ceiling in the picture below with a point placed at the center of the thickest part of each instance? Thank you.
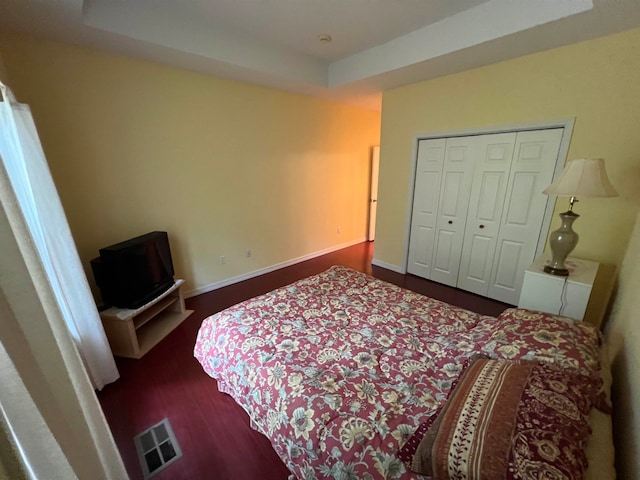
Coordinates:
(376, 44)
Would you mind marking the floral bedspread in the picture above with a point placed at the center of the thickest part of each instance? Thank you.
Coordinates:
(338, 370)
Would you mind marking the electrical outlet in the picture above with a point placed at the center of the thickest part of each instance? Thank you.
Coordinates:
(248, 253)
(338, 230)
(222, 260)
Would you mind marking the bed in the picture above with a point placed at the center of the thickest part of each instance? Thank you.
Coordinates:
(351, 377)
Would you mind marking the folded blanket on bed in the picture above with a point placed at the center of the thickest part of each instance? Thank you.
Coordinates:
(506, 420)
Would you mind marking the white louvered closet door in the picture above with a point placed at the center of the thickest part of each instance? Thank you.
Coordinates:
(457, 177)
(491, 175)
(478, 209)
(426, 197)
(535, 157)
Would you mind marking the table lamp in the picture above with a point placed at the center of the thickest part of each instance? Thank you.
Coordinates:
(581, 177)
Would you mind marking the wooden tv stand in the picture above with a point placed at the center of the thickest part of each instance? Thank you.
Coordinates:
(132, 333)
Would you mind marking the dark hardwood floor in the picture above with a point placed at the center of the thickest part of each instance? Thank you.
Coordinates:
(213, 431)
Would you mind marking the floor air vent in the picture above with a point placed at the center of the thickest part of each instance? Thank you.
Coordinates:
(157, 448)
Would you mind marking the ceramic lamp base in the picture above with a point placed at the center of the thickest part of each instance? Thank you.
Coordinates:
(561, 272)
(562, 241)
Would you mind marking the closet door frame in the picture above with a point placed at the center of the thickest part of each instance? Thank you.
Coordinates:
(565, 124)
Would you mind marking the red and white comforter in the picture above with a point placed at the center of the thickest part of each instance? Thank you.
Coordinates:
(338, 370)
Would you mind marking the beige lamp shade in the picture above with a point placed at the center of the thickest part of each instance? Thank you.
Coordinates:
(582, 177)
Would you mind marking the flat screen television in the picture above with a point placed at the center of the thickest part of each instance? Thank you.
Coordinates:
(130, 274)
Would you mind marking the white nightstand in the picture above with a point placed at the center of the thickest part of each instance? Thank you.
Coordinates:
(566, 296)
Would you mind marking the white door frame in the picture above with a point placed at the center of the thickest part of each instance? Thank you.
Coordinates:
(566, 124)
(373, 194)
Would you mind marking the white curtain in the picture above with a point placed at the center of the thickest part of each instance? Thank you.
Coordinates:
(51, 423)
(29, 174)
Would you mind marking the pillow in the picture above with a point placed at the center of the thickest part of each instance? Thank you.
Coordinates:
(531, 335)
(506, 420)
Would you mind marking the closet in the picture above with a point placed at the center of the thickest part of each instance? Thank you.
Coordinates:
(478, 209)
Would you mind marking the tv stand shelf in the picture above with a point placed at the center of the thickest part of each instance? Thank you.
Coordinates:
(132, 333)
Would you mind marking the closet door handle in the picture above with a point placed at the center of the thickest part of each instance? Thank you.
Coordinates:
(481, 226)
(450, 222)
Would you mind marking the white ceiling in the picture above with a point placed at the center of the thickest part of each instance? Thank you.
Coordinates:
(377, 44)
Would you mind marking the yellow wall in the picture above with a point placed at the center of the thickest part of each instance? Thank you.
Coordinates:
(623, 334)
(595, 82)
(222, 166)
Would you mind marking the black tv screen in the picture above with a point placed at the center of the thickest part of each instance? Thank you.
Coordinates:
(130, 274)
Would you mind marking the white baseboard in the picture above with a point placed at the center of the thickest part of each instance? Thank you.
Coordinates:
(388, 266)
(262, 271)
